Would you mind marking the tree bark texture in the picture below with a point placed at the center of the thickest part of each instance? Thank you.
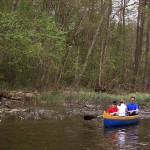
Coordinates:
(14, 5)
(146, 77)
(139, 44)
(58, 77)
(90, 50)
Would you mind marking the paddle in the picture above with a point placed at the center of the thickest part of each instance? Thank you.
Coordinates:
(89, 117)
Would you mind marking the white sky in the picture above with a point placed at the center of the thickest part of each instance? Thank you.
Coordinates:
(131, 9)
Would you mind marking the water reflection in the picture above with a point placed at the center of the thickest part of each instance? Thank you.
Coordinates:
(122, 138)
(73, 134)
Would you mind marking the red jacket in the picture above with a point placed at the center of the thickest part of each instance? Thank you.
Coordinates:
(112, 109)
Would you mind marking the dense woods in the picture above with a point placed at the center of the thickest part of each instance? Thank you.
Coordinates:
(75, 43)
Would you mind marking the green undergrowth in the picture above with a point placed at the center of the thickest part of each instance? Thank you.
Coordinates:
(91, 97)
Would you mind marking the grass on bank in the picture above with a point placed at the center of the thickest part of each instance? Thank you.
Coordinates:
(81, 95)
(84, 96)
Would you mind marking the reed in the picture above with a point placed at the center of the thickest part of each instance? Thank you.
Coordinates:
(87, 96)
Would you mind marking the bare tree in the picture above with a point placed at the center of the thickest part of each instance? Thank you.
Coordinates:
(91, 47)
(59, 74)
(14, 5)
(147, 53)
(139, 43)
(104, 42)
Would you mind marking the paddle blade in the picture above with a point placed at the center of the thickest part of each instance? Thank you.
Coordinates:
(89, 117)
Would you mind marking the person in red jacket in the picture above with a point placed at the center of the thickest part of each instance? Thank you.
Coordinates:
(113, 109)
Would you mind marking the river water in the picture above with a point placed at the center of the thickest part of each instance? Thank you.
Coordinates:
(72, 134)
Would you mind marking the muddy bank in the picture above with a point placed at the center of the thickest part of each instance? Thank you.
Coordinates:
(20, 105)
(35, 110)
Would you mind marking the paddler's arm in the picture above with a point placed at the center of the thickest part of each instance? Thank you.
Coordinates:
(137, 111)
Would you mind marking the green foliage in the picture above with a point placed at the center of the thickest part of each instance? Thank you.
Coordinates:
(33, 48)
(29, 44)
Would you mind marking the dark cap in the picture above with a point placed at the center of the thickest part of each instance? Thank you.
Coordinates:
(114, 103)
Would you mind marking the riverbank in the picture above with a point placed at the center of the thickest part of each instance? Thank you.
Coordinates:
(21, 105)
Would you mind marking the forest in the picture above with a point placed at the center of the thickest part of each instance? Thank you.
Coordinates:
(75, 44)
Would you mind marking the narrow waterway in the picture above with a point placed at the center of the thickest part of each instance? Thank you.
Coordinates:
(72, 134)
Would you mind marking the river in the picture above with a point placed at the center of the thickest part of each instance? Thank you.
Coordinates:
(72, 134)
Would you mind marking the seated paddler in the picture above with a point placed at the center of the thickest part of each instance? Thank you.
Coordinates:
(132, 107)
(122, 108)
(112, 110)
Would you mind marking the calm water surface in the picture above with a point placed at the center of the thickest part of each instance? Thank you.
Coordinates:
(72, 134)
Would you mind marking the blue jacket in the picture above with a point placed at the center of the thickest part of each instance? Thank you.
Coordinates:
(132, 106)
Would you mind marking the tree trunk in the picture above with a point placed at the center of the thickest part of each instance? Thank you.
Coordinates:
(14, 5)
(147, 56)
(104, 43)
(59, 74)
(90, 50)
(77, 64)
(139, 44)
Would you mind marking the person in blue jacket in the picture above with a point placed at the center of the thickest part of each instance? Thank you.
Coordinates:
(132, 107)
